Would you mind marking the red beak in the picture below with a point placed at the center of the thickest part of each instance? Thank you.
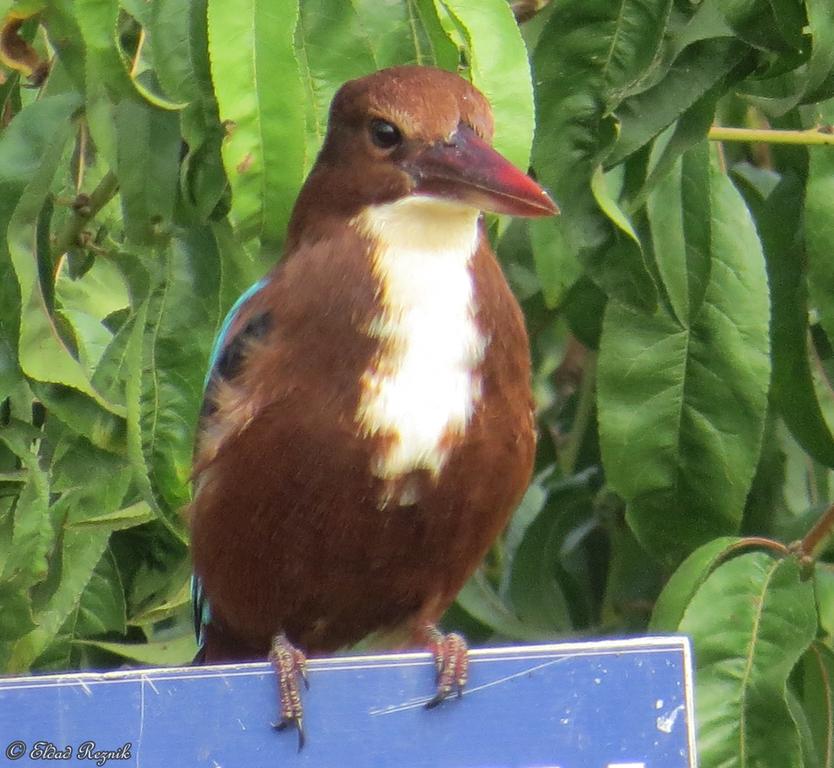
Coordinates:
(468, 169)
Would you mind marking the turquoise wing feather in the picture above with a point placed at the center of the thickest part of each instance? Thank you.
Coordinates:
(220, 339)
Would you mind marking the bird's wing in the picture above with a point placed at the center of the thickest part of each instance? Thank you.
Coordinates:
(225, 359)
(223, 348)
(227, 408)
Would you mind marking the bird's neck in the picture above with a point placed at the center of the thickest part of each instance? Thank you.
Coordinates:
(422, 389)
(439, 230)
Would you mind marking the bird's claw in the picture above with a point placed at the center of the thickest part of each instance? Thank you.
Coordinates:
(294, 722)
(451, 661)
(290, 666)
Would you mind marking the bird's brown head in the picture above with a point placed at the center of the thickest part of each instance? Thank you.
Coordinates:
(418, 131)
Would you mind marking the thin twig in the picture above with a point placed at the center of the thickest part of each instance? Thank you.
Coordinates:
(818, 536)
(100, 196)
(814, 137)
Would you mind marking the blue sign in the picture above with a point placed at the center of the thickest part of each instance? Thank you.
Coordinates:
(606, 704)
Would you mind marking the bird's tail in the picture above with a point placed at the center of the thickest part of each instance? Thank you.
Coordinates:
(201, 611)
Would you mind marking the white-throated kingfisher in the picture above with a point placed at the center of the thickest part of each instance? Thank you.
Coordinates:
(368, 425)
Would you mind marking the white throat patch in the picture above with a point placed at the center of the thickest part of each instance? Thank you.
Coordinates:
(422, 389)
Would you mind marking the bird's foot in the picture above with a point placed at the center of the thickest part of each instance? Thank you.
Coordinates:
(451, 660)
(290, 665)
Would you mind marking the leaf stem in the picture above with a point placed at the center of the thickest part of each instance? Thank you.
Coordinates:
(812, 137)
(100, 196)
(818, 536)
(760, 541)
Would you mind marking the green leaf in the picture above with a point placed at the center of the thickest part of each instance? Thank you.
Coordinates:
(394, 31)
(102, 605)
(808, 78)
(238, 271)
(30, 539)
(686, 581)
(90, 336)
(632, 583)
(170, 27)
(81, 414)
(696, 205)
(794, 392)
(176, 652)
(533, 546)
(26, 537)
(86, 302)
(626, 248)
(584, 310)
(337, 41)
(16, 617)
(79, 549)
(156, 578)
(481, 602)
(824, 590)
(204, 184)
(528, 510)
(687, 131)
(751, 621)
(30, 151)
(58, 19)
(113, 72)
(251, 47)
(443, 50)
(821, 28)
(679, 212)
(587, 56)
(818, 700)
(199, 53)
(763, 24)
(106, 78)
(166, 382)
(97, 478)
(557, 267)
(178, 601)
(148, 149)
(819, 229)
(127, 517)
(106, 73)
(80, 554)
(692, 77)
(682, 403)
(806, 739)
(332, 46)
(500, 69)
(11, 377)
(133, 367)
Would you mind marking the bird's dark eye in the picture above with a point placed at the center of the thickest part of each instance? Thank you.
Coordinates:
(384, 134)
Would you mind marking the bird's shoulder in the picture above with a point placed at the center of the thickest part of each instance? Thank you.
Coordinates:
(244, 322)
(227, 404)
(298, 325)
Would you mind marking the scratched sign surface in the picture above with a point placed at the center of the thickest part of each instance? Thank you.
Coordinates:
(607, 704)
